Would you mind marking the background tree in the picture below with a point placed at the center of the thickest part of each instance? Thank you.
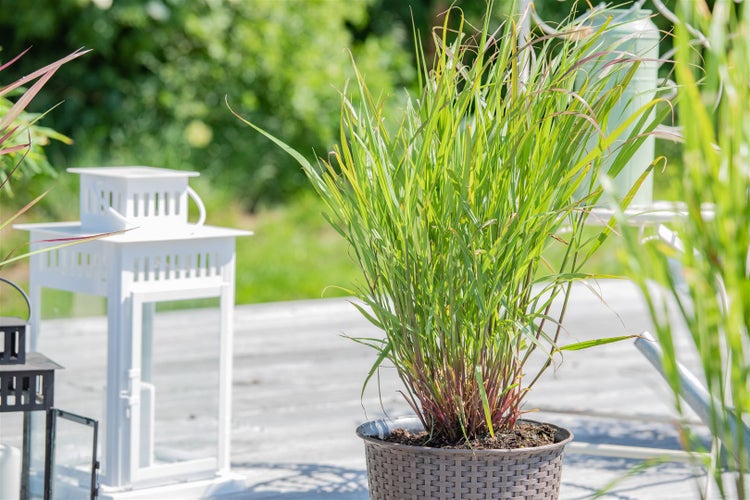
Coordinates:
(153, 90)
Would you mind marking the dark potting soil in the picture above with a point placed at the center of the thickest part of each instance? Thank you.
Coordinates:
(523, 435)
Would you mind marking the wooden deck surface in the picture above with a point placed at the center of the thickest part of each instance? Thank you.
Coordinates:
(297, 385)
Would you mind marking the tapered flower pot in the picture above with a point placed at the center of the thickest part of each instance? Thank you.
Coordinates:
(397, 471)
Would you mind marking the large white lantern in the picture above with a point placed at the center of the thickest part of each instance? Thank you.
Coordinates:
(155, 256)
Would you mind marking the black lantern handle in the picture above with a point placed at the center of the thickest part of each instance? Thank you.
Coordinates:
(20, 290)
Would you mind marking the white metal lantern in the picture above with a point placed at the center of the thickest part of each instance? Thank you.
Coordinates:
(159, 257)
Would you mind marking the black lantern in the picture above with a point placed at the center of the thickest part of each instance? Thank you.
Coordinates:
(27, 383)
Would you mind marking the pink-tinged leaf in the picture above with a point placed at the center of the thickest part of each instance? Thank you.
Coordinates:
(50, 67)
(75, 239)
(13, 170)
(43, 75)
(8, 134)
(14, 59)
(23, 210)
(24, 100)
(64, 242)
(13, 149)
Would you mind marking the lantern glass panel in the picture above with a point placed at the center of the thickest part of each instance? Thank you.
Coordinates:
(80, 346)
(60, 304)
(181, 384)
(72, 455)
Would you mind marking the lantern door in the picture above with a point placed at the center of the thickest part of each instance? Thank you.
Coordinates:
(72, 466)
(174, 408)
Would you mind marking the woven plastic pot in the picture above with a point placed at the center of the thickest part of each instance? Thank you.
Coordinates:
(397, 471)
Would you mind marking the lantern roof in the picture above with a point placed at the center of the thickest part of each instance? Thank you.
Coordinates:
(34, 361)
(11, 321)
(134, 172)
(64, 230)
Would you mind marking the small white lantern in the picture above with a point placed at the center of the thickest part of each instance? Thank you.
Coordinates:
(160, 257)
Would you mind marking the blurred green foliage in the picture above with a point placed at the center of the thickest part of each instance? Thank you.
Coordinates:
(153, 90)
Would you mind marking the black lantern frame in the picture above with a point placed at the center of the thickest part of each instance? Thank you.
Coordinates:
(27, 384)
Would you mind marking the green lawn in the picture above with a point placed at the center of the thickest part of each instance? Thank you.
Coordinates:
(294, 254)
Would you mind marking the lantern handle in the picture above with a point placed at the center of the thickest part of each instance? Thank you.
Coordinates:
(201, 207)
(20, 290)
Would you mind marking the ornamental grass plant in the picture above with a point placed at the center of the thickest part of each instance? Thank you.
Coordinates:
(451, 206)
(711, 291)
(17, 128)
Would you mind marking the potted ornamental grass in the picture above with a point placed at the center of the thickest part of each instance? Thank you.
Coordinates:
(451, 207)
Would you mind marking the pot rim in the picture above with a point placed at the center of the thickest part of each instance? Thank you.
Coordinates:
(409, 423)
